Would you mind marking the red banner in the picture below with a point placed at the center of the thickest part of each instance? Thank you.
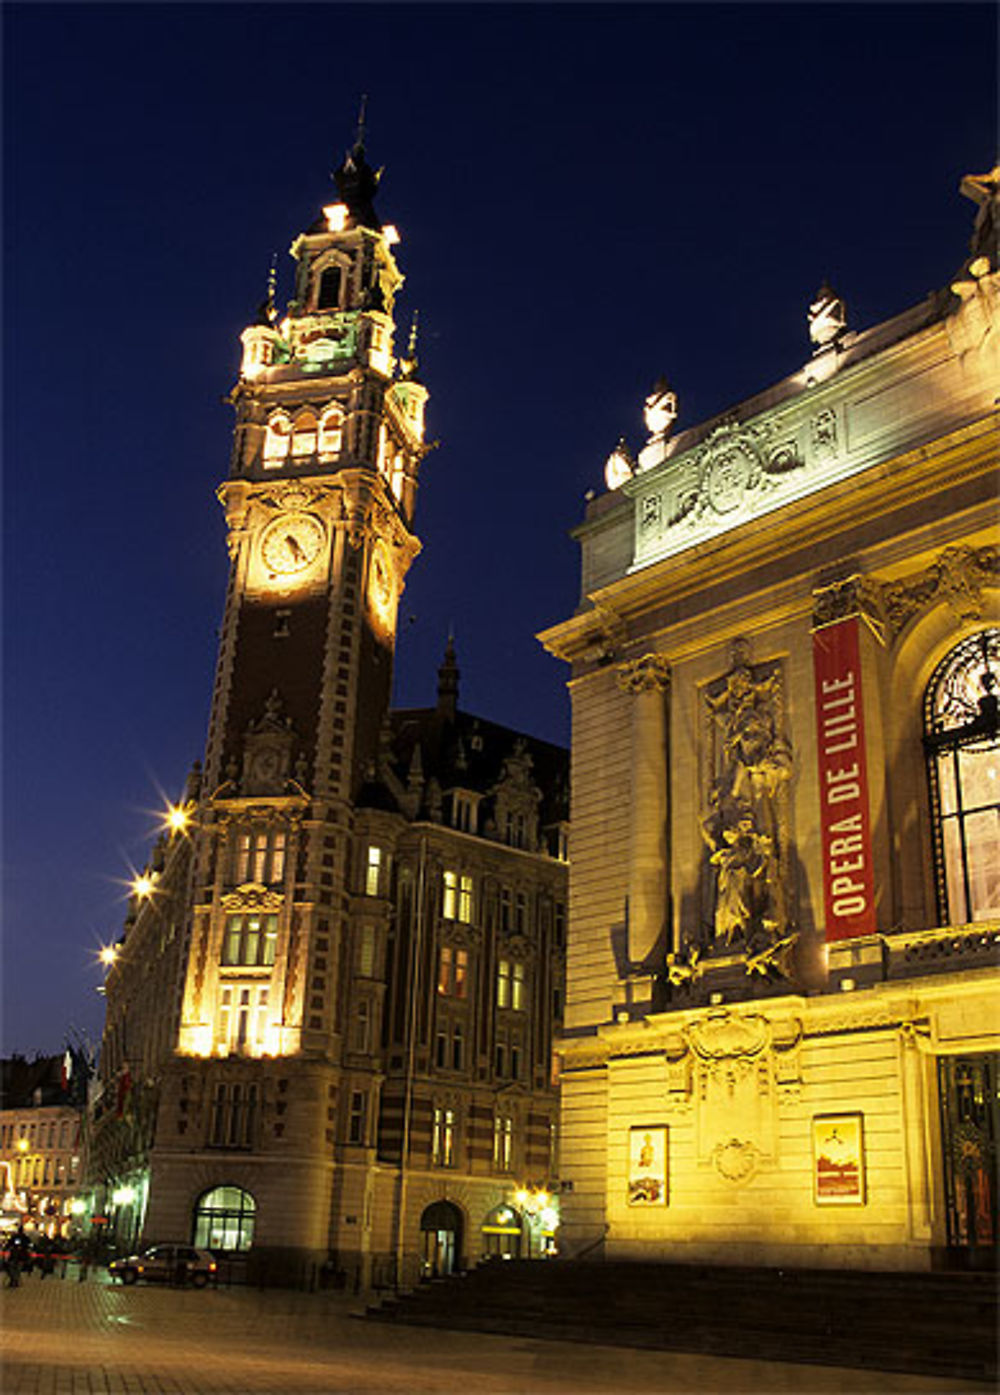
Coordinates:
(848, 880)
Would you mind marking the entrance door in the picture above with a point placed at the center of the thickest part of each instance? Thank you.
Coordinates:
(441, 1224)
(970, 1123)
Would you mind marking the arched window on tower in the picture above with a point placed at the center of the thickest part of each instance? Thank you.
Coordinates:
(962, 741)
(328, 290)
(276, 441)
(331, 433)
(304, 435)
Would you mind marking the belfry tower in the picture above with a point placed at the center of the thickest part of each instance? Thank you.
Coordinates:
(253, 880)
(330, 1015)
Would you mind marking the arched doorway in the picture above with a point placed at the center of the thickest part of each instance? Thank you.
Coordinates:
(502, 1230)
(224, 1219)
(441, 1224)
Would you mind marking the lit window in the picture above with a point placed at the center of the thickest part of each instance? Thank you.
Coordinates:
(249, 941)
(224, 1219)
(304, 435)
(331, 433)
(276, 441)
(503, 983)
(517, 993)
(465, 899)
(241, 1023)
(258, 856)
(962, 741)
(503, 1137)
(373, 871)
(445, 965)
(443, 1138)
(449, 901)
(453, 971)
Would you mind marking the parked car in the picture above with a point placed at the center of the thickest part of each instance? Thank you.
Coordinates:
(166, 1264)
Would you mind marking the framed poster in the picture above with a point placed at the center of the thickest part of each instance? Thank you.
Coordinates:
(838, 1160)
(647, 1165)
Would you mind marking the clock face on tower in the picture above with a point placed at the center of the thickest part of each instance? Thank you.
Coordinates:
(291, 543)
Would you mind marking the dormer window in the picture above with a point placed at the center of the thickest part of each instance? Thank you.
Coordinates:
(277, 441)
(304, 435)
(328, 294)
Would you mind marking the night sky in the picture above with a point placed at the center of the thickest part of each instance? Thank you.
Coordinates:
(588, 197)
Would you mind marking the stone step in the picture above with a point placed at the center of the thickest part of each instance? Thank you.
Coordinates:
(937, 1324)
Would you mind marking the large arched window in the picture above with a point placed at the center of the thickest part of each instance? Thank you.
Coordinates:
(962, 740)
(224, 1219)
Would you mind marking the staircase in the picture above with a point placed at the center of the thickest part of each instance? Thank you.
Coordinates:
(939, 1324)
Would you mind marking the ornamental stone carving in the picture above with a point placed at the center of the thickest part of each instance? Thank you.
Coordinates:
(855, 595)
(736, 1161)
(823, 434)
(252, 896)
(958, 577)
(649, 674)
(746, 826)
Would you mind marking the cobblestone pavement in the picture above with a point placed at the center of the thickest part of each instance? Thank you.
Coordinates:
(61, 1337)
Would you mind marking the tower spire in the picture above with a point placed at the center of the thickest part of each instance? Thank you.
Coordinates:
(359, 140)
(409, 363)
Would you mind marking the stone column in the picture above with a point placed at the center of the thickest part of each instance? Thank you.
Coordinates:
(648, 679)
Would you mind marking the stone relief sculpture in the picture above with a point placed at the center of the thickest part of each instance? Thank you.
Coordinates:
(746, 826)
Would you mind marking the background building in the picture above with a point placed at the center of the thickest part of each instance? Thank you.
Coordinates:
(781, 1027)
(42, 1142)
(329, 1020)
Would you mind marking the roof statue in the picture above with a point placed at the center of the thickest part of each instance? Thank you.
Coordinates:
(984, 190)
(827, 318)
(659, 413)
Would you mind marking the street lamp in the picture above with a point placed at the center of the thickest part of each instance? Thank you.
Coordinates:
(536, 1206)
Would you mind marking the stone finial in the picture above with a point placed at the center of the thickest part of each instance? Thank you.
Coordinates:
(827, 318)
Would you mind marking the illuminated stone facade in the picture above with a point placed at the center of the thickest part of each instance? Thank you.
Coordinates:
(350, 952)
(781, 1032)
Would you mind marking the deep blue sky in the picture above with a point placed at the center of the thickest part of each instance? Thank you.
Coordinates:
(588, 197)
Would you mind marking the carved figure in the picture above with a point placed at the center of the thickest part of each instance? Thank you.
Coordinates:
(744, 828)
(743, 859)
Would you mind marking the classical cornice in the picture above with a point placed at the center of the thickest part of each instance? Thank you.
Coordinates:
(800, 527)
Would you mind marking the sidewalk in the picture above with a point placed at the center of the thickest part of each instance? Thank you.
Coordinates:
(61, 1337)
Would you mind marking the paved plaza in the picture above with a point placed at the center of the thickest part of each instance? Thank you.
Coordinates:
(61, 1337)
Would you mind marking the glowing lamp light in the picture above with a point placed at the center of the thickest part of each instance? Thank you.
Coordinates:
(108, 955)
(143, 884)
(22, 1145)
(336, 216)
(178, 818)
(391, 234)
(77, 1207)
(123, 1196)
(521, 1197)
